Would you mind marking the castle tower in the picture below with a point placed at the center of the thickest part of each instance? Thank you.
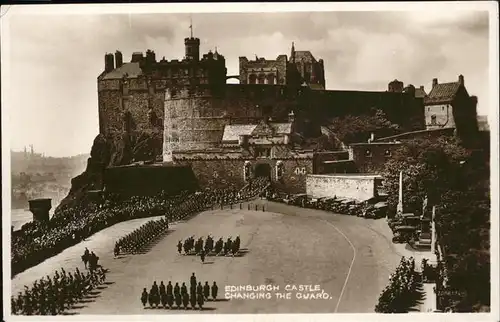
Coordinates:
(395, 86)
(40, 209)
(192, 46)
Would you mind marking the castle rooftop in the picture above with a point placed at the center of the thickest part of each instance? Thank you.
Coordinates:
(131, 70)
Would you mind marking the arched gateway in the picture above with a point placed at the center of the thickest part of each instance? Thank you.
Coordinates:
(262, 170)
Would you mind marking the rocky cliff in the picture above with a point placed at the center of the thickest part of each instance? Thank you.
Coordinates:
(111, 151)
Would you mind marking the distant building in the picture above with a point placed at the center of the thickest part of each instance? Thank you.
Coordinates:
(449, 105)
(395, 86)
(301, 70)
(182, 113)
(482, 122)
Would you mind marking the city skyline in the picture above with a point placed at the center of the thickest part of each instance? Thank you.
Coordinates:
(63, 55)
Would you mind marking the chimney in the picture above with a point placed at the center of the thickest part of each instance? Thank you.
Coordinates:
(118, 59)
(434, 82)
(136, 57)
(473, 100)
(150, 56)
(461, 79)
(422, 87)
(109, 63)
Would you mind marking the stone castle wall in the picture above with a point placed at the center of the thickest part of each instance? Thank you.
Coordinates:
(223, 171)
(196, 115)
(342, 186)
(372, 157)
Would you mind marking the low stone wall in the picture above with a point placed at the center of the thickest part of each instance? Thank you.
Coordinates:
(359, 187)
(149, 179)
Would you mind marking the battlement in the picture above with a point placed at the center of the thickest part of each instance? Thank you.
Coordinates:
(261, 60)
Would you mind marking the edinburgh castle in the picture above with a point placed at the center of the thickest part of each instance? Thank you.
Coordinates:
(178, 123)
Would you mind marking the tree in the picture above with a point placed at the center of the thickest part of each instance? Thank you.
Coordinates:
(429, 167)
(357, 128)
(456, 180)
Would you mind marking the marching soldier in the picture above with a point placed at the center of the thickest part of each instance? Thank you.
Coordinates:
(193, 280)
(206, 290)
(215, 289)
(144, 297)
(185, 300)
(154, 288)
(199, 288)
(200, 300)
(176, 289)
(202, 256)
(192, 299)
(13, 305)
(85, 257)
(169, 288)
(162, 289)
(178, 300)
(117, 250)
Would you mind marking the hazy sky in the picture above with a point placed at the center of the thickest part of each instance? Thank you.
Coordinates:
(54, 60)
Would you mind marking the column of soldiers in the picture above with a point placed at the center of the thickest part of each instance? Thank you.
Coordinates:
(140, 238)
(179, 296)
(402, 292)
(209, 247)
(52, 296)
(254, 188)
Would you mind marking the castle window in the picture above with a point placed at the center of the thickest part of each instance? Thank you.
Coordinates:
(433, 120)
(128, 122)
(368, 154)
(271, 79)
(252, 79)
(442, 108)
(262, 78)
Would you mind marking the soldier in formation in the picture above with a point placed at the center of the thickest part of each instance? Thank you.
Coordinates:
(52, 296)
(77, 223)
(196, 297)
(221, 248)
(140, 238)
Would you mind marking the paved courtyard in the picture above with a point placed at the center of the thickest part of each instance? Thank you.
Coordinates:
(349, 258)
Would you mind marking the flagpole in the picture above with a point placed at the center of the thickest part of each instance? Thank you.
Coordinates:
(191, 25)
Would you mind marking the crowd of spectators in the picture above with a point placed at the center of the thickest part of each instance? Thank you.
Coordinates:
(53, 295)
(37, 241)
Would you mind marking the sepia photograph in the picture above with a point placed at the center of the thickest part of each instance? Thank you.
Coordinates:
(244, 160)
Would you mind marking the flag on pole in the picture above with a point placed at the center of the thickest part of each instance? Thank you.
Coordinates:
(191, 25)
